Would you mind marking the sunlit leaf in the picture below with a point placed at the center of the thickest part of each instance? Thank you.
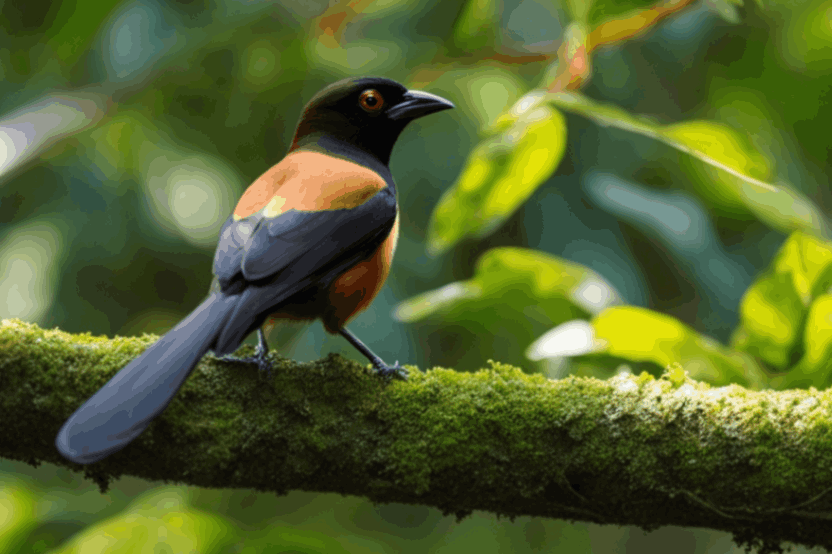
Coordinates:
(639, 334)
(818, 340)
(712, 143)
(719, 146)
(604, 114)
(528, 103)
(573, 338)
(770, 314)
(815, 367)
(784, 209)
(519, 286)
(808, 261)
(722, 148)
(500, 174)
(774, 308)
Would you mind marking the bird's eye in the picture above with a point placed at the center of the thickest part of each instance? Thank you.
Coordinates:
(371, 101)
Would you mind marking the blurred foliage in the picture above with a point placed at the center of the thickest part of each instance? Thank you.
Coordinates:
(673, 155)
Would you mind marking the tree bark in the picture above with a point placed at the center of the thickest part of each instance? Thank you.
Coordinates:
(633, 450)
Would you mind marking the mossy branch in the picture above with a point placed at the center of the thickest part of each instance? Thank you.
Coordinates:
(627, 451)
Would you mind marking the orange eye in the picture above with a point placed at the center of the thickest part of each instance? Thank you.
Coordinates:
(371, 100)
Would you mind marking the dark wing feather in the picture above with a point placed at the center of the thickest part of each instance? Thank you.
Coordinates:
(301, 243)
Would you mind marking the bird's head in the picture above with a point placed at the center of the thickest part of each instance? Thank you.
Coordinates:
(366, 112)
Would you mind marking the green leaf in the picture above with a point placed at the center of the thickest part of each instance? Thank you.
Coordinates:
(815, 367)
(818, 341)
(500, 174)
(545, 289)
(639, 334)
(771, 315)
(719, 146)
(710, 142)
(741, 169)
(773, 310)
(807, 261)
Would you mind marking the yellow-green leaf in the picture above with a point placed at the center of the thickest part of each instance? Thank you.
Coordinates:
(639, 334)
(774, 308)
(740, 171)
(813, 369)
(507, 282)
(808, 261)
(818, 338)
(771, 314)
(719, 146)
(500, 174)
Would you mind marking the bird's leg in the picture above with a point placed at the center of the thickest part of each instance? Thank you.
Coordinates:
(381, 368)
(261, 355)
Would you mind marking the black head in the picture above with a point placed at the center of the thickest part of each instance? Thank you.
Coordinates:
(366, 112)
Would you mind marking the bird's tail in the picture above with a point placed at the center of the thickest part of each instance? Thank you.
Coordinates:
(125, 406)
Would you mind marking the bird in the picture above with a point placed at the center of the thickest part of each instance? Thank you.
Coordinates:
(311, 238)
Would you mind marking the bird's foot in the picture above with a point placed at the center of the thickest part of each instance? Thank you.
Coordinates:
(260, 359)
(394, 370)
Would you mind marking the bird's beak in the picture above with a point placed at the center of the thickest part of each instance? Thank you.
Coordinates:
(416, 104)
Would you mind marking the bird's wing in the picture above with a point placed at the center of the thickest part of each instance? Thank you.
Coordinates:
(296, 244)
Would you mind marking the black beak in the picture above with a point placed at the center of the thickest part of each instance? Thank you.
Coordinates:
(416, 104)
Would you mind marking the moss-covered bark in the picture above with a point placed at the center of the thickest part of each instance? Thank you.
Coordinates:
(631, 450)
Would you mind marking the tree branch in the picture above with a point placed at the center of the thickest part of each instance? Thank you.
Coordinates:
(628, 451)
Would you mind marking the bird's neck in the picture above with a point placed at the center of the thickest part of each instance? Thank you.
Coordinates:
(332, 146)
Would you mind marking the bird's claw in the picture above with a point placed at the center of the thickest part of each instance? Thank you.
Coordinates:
(259, 359)
(394, 370)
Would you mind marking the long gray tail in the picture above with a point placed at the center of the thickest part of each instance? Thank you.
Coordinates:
(125, 406)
